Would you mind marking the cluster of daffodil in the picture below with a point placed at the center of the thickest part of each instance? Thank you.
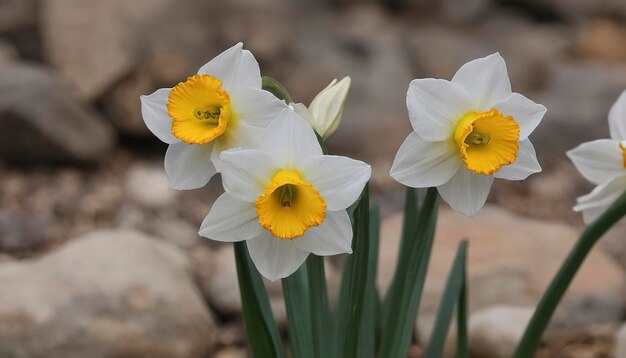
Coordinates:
(287, 203)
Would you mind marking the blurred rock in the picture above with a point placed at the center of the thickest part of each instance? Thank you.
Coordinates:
(250, 21)
(364, 43)
(464, 10)
(41, 121)
(603, 40)
(232, 352)
(19, 233)
(122, 105)
(511, 260)
(530, 50)
(495, 331)
(17, 14)
(620, 343)
(148, 186)
(94, 44)
(218, 281)
(8, 53)
(109, 293)
(578, 97)
(574, 10)
(177, 231)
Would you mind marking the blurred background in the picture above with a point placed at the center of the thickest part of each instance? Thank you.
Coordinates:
(99, 258)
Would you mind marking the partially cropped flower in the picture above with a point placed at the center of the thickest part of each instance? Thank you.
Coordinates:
(286, 199)
(603, 162)
(325, 111)
(221, 107)
(467, 132)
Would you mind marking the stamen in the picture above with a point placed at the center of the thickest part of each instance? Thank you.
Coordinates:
(287, 195)
(212, 114)
(477, 138)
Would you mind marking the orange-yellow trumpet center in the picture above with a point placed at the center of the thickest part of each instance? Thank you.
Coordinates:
(200, 109)
(290, 206)
(623, 148)
(487, 141)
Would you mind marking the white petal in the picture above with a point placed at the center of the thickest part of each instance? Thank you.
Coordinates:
(188, 166)
(275, 258)
(422, 164)
(246, 172)
(235, 67)
(339, 180)
(617, 118)
(303, 112)
(599, 161)
(486, 80)
(524, 165)
(466, 192)
(601, 198)
(289, 139)
(154, 113)
(231, 219)
(332, 237)
(256, 107)
(525, 112)
(435, 106)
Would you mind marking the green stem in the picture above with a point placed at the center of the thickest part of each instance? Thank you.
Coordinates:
(532, 336)
(357, 282)
(298, 306)
(263, 337)
(319, 305)
(402, 306)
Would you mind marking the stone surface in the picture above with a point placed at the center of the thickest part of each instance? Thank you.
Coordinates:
(359, 43)
(94, 44)
(511, 260)
(620, 343)
(19, 233)
(8, 53)
(530, 51)
(495, 331)
(109, 293)
(147, 185)
(17, 14)
(218, 281)
(602, 39)
(577, 113)
(41, 121)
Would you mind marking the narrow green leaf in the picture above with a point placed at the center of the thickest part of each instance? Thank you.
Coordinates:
(549, 301)
(263, 336)
(319, 305)
(451, 297)
(297, 303)
(360, 273)
(401, 310)
(462, 343)
(352, 301)
(271, 85)
(367, 338)
(409, 225)
(342, 310)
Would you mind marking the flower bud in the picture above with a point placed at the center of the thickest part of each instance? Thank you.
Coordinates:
(326, 108)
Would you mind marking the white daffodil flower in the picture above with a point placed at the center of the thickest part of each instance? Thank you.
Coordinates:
(603, 162)
(221, 107)
(325, 111)
(286, 199)
(467, 132)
